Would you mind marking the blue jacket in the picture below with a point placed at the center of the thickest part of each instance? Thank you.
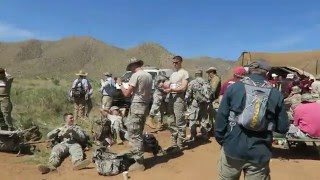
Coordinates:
(241, 143)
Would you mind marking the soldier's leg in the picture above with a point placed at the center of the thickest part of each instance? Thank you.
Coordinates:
(192, 117)
(6, 107)
(75, 152)
(153, 112)
(179, 110)
(89, 106)
(172, 121)
(135, 125)
(77, 158)
(116, 127)
(204, 120)
(81, 107)
(103, 101)
(76, 108)
(108, 102)
(58, 153)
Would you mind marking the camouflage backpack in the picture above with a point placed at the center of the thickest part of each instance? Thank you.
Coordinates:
(202, 91)
(109, 163)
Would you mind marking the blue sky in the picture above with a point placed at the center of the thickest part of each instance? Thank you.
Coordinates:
(216, 28)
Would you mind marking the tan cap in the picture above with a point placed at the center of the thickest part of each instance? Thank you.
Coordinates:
(107, 74)
(211, 69)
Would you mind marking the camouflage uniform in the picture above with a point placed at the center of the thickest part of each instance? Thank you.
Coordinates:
(176, 109)
(142, 83)
(292, 101)
(215, 83)
(72, 139)
(5, 102)
(158, 104)
(197, 110)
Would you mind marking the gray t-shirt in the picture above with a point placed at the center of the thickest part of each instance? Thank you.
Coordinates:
(142, 83)
(177, 77)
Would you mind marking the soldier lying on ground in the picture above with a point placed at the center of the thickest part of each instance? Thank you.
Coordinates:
(71, 139)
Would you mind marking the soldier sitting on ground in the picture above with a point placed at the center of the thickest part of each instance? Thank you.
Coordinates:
(114, 116)
(71, 139)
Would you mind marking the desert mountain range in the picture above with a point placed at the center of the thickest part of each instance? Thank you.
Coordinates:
(65, 57)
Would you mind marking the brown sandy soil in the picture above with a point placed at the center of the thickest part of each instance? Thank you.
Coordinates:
(199, 162)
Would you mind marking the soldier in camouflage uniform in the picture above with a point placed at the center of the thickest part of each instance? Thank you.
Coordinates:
(140, 86)
(158, 104)
(71, 139)
(5, 102)
(176, 106)
(292, 101)
(198, 105)
(215, 82)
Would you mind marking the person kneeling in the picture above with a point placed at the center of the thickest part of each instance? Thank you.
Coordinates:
(71, 138)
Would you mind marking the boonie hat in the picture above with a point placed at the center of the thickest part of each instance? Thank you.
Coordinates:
(81, 73)
(134, 61)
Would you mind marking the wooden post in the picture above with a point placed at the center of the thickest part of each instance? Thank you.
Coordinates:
(317, 67)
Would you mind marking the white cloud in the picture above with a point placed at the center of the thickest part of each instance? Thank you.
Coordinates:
(11, 33)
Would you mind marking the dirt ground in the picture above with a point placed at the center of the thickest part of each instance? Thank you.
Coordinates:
(197, 162)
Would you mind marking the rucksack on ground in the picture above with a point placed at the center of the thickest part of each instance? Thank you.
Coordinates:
(151, 144)
(109, 163)
(203, 92)
(253, 115)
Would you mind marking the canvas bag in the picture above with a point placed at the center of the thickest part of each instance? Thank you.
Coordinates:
(109, 163)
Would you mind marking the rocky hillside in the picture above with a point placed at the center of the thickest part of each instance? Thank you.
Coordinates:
(63, 58)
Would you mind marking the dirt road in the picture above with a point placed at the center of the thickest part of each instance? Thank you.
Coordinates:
(199, 162)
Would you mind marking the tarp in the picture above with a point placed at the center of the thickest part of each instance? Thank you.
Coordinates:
(305, 61)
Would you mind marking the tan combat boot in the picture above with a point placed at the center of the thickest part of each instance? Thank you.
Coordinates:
(81, 164)
(150, 122)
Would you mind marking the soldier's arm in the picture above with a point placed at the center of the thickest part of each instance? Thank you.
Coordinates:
(52, 134)
(215, 83)
(79, 134)
(182, 88)
(282, 121)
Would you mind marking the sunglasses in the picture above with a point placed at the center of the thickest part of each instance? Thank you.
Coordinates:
(175, 62)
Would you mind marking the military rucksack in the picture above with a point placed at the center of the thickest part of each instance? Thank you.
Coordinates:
(202, 91)
(109, 163)
(78, 91)
(253, 115)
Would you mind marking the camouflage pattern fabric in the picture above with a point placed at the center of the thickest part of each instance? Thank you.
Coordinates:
(6, 108)
(176, 120)
(158, 104)
(215, 83)
(71, 137)
(79, 108)
(135, 125)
